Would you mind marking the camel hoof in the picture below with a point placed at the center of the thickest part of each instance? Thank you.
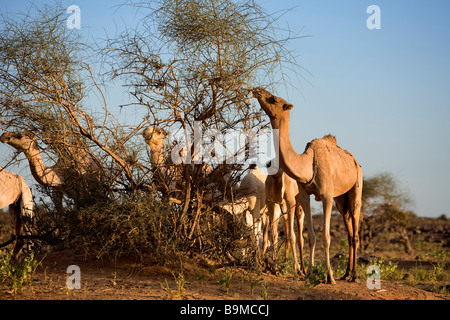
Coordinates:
(350, 277)
(300, 273)
(330, 280)
(346, 277)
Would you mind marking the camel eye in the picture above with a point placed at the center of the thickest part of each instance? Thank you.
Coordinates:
(271, 100)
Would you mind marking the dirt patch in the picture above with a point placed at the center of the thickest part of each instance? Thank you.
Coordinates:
(125, 279)
(423, 275)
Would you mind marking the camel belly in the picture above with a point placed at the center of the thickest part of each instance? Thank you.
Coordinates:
(344, 179)
(336, 181)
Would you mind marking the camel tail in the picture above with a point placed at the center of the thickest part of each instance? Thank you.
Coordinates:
(359, 182)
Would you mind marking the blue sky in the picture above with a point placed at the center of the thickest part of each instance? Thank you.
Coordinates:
(384, 93)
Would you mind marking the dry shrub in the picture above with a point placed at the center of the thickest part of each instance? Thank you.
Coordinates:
(145, 229)
(130, 227)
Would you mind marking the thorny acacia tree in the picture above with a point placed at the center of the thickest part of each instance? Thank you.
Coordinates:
(192, 60)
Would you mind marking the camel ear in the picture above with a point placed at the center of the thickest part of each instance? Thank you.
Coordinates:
(288, 106)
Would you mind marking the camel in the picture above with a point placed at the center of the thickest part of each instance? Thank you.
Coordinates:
(252, 188)
(250, 204)
(15, 193)
(47, 176)
(154, 137)
(324, 170)
(171, 176)
(282, 195)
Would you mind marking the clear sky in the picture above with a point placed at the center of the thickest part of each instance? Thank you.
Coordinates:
(385, 94)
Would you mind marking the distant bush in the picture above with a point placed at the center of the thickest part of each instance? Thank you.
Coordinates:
(386, 205)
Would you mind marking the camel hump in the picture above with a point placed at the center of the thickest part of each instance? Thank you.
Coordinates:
(330, 138)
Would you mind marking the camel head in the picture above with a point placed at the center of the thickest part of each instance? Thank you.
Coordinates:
(154, 136)
(19, 140)
(275, 107)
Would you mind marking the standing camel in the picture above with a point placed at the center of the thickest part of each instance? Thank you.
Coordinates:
(162, 171)
(15, 193)
(325, 170)
(169, 175)
(282, 194)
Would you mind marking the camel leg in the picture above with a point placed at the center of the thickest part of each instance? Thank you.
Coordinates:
(351, 252)
(291, 211)
(304, 200)
(255, 210)
(300, 219)
(353, 277)
(274, 228)
(355, 209)
(287, 245)
(327, 206)
(291, 216)
(342, 206)
(270, 214)
(17, 224)
(265, 235)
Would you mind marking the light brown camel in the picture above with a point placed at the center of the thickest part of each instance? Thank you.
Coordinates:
(154, 137)
(46, 176)
(15, 193)
(170, 176)
(282, 195)
(166, 176)
(325, 170)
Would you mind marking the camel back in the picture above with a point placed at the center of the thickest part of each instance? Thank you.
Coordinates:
(328, 141)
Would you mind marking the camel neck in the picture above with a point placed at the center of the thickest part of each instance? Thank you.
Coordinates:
(157, 155)
(41, 173)
(297, 166)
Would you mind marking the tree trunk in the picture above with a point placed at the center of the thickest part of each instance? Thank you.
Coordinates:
(404, 239)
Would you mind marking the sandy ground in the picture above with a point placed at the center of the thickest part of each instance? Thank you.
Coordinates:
(127, 280)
